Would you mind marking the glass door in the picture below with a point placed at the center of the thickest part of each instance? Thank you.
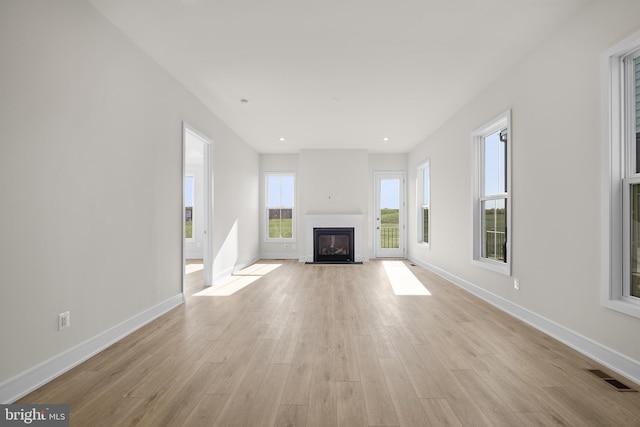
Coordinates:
(389, 214)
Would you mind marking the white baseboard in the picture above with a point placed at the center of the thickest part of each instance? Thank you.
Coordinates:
(610, 358)
(24, 383)
(280, 255)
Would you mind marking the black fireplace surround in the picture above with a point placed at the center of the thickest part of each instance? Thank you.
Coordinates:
(333, 245)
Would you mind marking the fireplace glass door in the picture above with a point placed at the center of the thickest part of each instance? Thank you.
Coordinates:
(333, 245)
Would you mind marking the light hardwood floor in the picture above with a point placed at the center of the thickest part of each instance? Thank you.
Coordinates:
(333, 345)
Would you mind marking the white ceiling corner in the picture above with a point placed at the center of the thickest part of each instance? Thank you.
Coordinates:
(336, 73)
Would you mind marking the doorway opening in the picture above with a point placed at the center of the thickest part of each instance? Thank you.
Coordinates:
(197, 209)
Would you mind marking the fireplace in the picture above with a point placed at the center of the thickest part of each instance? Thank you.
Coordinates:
(333, 245)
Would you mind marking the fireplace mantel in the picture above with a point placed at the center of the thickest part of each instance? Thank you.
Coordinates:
(333, 220)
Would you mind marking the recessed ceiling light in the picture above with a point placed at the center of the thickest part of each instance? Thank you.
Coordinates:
(385, 139)
(282, 138)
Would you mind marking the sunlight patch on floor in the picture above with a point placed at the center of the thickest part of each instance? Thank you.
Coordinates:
(192, 268)
(402, 280)
(257, 269)
(228, 286)
(238, 281)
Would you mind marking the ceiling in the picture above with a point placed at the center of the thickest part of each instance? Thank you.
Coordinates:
(336, 74)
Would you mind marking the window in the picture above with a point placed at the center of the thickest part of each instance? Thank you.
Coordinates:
(280, 215)
(188, 206)
(491, 195)
(621, 177)
(424, 202)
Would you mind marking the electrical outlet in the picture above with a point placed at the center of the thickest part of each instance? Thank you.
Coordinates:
(516, 283)
(64, 320)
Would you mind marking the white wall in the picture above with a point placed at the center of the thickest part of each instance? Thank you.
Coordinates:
(323, 176)
(554, 94)
(331, 182)
(94, 224)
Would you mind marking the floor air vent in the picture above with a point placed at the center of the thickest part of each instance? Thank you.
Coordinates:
(611, 381)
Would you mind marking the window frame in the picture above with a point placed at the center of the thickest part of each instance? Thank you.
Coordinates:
(266, 208)
(420, 203)
(478, 136)
(618, 153)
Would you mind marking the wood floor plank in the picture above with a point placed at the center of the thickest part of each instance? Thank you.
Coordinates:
(486, 398)
(538, 419)
(592, 410)
(232, 370)
(464, 407)
(206, 410)
(380, 335)
(298, 385)
(291, 416)
(423, 384)
(71, 388)
(237, 409)
(351, 407)
(345, 361)
(513, 389)
(322, 395)
(112, 391)
(180, 401)
(121, 413)
(407, 405)
(334, 345)
(378, 403)
(288, 339)
(439, 413)
(264, 410)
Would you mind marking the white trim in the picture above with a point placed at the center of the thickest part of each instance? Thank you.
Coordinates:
(280, 255)
(614, 167)
(606, 356)
(334, 220)
(207, 211)
(425, 164)
(477, 181)
(24, 383)
(401, 252)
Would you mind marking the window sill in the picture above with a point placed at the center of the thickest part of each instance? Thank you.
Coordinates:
(623, 306)
(498, 267)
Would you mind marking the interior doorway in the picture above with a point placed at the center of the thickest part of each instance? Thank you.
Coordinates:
(197, 204)
(389, 214)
